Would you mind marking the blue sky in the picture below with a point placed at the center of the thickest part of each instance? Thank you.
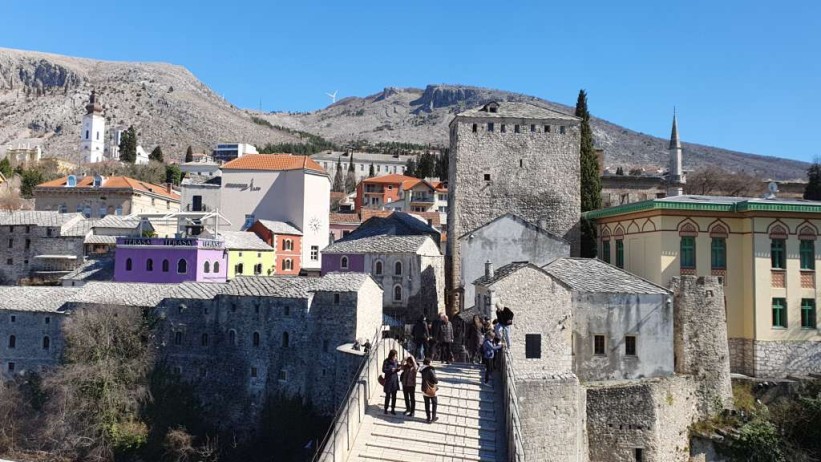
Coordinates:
(744, 75)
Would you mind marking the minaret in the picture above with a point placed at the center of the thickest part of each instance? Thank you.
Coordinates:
(675, 176)
(92, 134)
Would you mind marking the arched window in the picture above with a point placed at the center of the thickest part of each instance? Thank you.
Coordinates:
(397, 268)
(206, 267)
(256, 339)
(343, 262)
(216, 267)
(182, 266)
(287, 264)
(257, 269)
(288, 244)
(149, 265)
(46, 343)
(128, 264)
(12, 341)
(178, 338)
(232, 337)
(285, 340)
(377, 270)
(397, 293)
(165, 266)
(204, 340)
(238, 268)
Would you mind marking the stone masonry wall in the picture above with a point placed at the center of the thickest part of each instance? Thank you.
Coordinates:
(700, 336)
(775, 359)
(17, 256)
(29, 329)
(741, 356)
(533, 175)
(552, 413)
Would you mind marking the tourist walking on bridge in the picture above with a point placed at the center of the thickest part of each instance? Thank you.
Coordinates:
(391, 370)
(429, 389)
(489, 349)
(445, 340)
(474, 338)
(421, 335)
(408, 379)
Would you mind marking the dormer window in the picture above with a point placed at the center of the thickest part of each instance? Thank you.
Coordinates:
(98, 181)
(491, 107)
(71, 181)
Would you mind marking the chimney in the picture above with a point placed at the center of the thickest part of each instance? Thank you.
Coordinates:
(488, 269)
(168, 188)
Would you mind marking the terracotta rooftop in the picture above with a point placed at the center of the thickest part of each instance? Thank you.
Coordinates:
(393, 178)
(114, 182)
(273, 162)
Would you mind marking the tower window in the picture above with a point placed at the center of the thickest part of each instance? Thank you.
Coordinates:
(561, 130)
(475, 128)
(487, 176)
(504, 128)
(516, 128)
(490, 126)
(630, 345)
(598, 344)
(532, 128)
(533, 346)
(547, 128)
(86, 134)
(521, 163)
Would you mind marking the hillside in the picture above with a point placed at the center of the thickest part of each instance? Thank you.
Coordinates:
(42, 97)
(421, 116)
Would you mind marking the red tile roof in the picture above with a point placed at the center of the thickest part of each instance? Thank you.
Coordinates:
(114, 182)
(273, 162)
(349, 218)
(393, 178)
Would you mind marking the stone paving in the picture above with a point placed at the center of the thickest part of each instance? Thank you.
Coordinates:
(470, 425)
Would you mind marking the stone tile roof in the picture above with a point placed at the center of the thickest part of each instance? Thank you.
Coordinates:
(273, 162)
(346, 218)
(592, 275)
(116, 221)
(99, 239)
(79, 228)
(516, 110)
(397, 224)
(378, 244)
(38, 218)
(243, 240)
(196, 290)
(113, 182)
(281, 227)
(502, 273)
(98, 269)
(44, 299)
(122, 293)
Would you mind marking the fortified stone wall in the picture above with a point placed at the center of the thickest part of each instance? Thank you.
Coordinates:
(30, 351)
(778, 359)
(19, 244)
(741, 356)
(701, 339)
(552, 413)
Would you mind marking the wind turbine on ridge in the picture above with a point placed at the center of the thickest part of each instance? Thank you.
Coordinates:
(333, 96)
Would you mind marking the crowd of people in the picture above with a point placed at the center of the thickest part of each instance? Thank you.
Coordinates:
(433, 340)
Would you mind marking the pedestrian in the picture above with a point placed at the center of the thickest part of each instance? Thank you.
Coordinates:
(435, 326)
(474, 338)
(497, 329)
(408, 379)
(489, 349)
(390, 367)
(420, 335)
(445, 340)
(505, 317)
(429, 389)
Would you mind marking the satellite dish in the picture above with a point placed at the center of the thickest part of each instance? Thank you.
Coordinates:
(772, 187)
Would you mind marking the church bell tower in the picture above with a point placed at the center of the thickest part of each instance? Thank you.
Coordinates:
(92, 133)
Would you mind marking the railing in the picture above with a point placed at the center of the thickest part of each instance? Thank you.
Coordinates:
(341, 436)
(513, 426)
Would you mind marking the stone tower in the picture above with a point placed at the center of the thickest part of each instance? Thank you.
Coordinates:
(511, 157)
(92, 134)
(675, 177)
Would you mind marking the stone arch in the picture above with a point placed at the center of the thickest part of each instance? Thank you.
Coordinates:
(807, 231)
(232, 337)
(778, 230)
(343, 262)
(397, 293)
(688, 228)
(719, 229)
(397, 268)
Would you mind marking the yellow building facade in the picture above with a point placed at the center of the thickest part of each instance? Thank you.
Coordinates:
(248, 255)
(765, 251)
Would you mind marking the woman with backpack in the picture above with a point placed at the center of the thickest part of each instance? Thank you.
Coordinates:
(390, 367)
(408, 379)
(489, 349)
(429, 389)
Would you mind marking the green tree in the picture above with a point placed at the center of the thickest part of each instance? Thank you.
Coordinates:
(590, 178)
(5, 168)
(156, 154)
(813, 189)
(426, 167)
(371, 172)
(442, 164)
(410, 167)
(28, 180)
(173, 174)
(128, 146)
(350, 178)
(339, 182)
(189, 154)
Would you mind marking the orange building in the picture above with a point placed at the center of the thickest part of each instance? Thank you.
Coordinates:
(378, 191)
(286, 240)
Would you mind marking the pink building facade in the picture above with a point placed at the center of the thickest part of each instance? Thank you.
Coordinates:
(170, 260)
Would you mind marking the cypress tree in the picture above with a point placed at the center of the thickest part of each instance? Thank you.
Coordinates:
(128, 146)
(590, 178)
(156, 155)
(442, 163)
(371, 172)
(410, 167)
(189, 154)
(339, 182)
(813, 189)
(350, 178)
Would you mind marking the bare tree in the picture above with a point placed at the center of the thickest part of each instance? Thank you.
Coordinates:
(717, 182)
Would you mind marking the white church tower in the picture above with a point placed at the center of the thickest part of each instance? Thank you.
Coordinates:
(675, 176)
(92, 134)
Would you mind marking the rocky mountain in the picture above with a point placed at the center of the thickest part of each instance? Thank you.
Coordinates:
(419, 116)
(42, 100)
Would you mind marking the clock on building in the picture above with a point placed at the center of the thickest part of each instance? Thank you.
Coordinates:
(315, 224)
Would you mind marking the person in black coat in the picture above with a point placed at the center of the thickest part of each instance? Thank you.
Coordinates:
(420, 334)
(429, 389)
(390, 367)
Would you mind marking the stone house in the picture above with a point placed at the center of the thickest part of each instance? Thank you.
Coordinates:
(104, 232)
(511, 157)
(410, 270)
(503, 240)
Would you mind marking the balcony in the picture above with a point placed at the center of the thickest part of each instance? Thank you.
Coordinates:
(198, 208)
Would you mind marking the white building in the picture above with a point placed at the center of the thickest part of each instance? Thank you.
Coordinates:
(383, 164)
(279, 187)
(114, 142)
(226, 152)
(142, 156)
(92, 135)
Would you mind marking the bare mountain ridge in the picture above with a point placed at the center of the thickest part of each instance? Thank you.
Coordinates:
(42, 100)
(419, 116)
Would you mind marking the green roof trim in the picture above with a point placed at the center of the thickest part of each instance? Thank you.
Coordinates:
(743, 205)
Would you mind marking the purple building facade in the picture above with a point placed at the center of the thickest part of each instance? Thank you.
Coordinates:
(343, 263)
(170, 260)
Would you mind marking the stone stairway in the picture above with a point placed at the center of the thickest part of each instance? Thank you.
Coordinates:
(470, 425)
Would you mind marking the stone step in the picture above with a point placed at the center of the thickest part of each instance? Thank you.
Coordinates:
(439, 429)
(385, 455)
(445, 417)
(449, 444)
(454, 406)
(412, 450)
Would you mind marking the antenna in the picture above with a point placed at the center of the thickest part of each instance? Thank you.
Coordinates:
(333, 96)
